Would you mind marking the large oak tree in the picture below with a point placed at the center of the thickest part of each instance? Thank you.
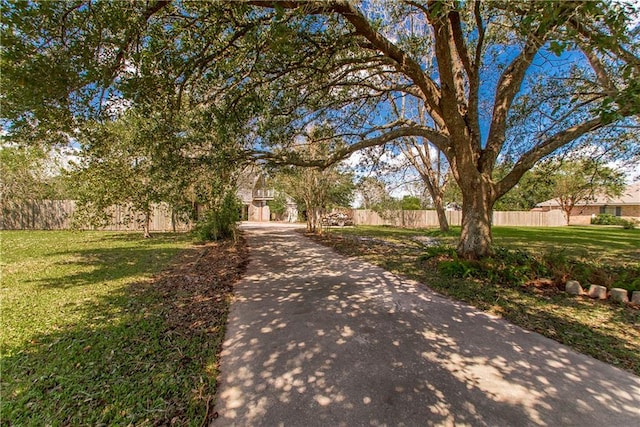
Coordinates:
(495, 79)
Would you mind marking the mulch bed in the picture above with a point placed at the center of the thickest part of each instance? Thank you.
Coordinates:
(197, 287)
(193, 296)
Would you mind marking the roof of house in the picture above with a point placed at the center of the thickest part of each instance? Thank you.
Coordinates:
(630, 196)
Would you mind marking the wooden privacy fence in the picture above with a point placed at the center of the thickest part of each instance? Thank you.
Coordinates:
(429, 218)
(59, 215)
(38, 215)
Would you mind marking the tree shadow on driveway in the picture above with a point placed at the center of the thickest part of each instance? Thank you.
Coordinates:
(315, 338)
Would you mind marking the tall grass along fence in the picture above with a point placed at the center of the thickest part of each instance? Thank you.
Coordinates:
(429, 218)
(59, 215)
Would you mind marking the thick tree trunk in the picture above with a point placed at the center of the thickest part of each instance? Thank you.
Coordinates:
(442, 215)
(477, 209)
(435, 192)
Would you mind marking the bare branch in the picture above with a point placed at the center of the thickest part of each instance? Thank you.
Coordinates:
(419, 6)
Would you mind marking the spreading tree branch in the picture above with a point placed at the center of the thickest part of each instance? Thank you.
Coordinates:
(435, 137)
(363, 27)
(133, 34)
(528, 159)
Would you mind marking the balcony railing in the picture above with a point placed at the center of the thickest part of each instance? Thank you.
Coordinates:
(263, 194)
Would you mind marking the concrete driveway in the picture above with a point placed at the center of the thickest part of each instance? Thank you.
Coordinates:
(317, 339)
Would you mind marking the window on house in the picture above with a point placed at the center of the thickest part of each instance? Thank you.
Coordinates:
(611, 210)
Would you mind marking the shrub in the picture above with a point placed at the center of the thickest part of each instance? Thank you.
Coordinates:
(605, 219)
(629, 286)
(221, 222)
(517, 267)
(411, 203)
(628, 279)
(509, 267)
(608, 219)
(437, 251)
(457, 268)
(561, 269)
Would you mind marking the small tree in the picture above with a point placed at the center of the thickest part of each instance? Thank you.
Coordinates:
(578, 181)
(410, 203)
(117, 169)
(316, 188)
(24, 176)
(433, 171)
(427, 159)
(535, 186)
(220, 222)
(372, 192)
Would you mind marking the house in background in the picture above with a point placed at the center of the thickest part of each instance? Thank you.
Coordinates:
(255, 194)
(627, 205)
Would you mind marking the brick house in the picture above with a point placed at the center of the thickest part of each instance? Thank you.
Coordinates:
(627, 205)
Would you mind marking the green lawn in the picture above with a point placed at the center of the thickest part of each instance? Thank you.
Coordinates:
(605, 330)
(84, 333)
(613, 245)
(596, 243)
